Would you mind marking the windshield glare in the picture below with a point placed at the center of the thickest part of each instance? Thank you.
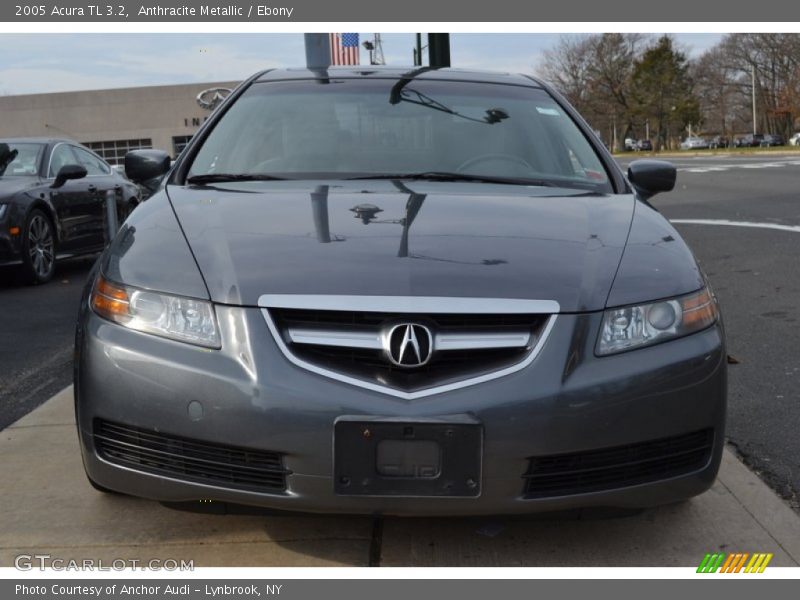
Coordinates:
(25, 163)
(347, 128)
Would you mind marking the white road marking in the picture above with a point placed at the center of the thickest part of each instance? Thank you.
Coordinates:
(794, 228)
(727, 167)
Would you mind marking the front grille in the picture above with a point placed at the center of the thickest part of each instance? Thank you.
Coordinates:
(621, 466)
(371, 365)
(190, 460)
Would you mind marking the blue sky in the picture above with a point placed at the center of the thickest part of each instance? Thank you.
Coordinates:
(36, 63)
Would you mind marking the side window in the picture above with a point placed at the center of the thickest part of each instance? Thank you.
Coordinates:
(92, 164)
(62, 155)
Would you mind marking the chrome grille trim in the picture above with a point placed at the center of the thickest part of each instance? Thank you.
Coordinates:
(411, 305)
(335, 337)
(479, 341)
(441, 341)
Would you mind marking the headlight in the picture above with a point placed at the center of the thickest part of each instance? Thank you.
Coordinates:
(646, 324)
(3, 208)
(183, 319)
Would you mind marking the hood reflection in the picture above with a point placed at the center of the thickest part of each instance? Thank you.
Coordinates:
(368, 213)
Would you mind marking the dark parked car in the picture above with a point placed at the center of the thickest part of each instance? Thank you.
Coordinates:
(53, 202)
(749, 141)
(379, 291)
(644, 146)
(771, 139)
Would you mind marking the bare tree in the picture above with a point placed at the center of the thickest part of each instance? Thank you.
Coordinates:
(774, 59)
(594, 73)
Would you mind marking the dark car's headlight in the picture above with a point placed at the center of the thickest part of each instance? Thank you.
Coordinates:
(3, 209)
(636, 326)
(176, 317)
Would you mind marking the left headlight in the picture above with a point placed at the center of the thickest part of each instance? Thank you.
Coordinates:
(3, 209)
(176, 317)
(636, 326)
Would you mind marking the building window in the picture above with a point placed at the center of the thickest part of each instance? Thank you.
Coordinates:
(179, 142)
(114, 152)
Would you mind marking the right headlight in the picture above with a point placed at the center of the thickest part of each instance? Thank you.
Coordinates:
(636, 326)
(188, 320)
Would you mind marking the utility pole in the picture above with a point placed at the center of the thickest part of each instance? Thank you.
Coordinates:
(375, 49)
(753, 88)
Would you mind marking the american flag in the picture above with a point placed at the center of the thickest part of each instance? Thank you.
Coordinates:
(344, 49)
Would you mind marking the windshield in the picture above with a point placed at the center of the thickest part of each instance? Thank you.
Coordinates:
(361, 128)
(26, 161)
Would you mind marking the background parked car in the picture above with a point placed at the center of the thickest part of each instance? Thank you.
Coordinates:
(771, 139)
(694, 143)
(719, 141)
(795, 140)
(630, 144)
(53, 202)
(644, 145)
(750, 140)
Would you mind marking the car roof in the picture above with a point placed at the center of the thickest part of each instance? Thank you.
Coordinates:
(382, 72)
(37, 140)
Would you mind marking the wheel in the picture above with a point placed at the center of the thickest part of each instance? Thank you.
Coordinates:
(38, 247)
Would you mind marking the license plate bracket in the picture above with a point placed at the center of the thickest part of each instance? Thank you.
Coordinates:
(392, 457)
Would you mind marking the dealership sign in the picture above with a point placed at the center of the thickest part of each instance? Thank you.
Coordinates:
(212, 97)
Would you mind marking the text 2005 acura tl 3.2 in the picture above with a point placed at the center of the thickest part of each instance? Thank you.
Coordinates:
(426, 292)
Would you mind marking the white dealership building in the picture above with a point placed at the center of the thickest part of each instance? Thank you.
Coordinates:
(111, 122)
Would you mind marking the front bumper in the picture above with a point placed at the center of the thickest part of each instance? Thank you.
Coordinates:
(10, 245)
(249, 395)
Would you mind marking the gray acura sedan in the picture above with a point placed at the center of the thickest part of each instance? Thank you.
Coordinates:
(427, 292)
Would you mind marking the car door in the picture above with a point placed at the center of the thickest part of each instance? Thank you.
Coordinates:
(79, 203)
(73, 201)
(100, 180)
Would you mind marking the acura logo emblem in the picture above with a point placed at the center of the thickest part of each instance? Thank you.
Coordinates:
(212, 97)
(408, 344)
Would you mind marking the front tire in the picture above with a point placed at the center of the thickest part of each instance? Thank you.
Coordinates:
(39, 247)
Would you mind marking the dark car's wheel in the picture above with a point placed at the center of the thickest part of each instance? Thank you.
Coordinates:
(39, 247)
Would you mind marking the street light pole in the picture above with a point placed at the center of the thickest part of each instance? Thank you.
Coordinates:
(753, 88)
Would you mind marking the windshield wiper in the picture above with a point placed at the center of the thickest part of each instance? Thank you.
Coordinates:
(225, 177)
(452, 176)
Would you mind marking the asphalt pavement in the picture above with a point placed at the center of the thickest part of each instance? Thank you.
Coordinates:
(753, 270)
(37, 330)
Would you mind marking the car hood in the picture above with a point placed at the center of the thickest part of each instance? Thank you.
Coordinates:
(412, 239)
(13, 185)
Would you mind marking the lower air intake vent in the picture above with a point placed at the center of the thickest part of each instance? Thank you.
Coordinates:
(190, 460)
(622, 466)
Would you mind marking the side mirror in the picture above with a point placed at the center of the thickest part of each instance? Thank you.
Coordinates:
(649, 177)
(68, 172)
(144, 165)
